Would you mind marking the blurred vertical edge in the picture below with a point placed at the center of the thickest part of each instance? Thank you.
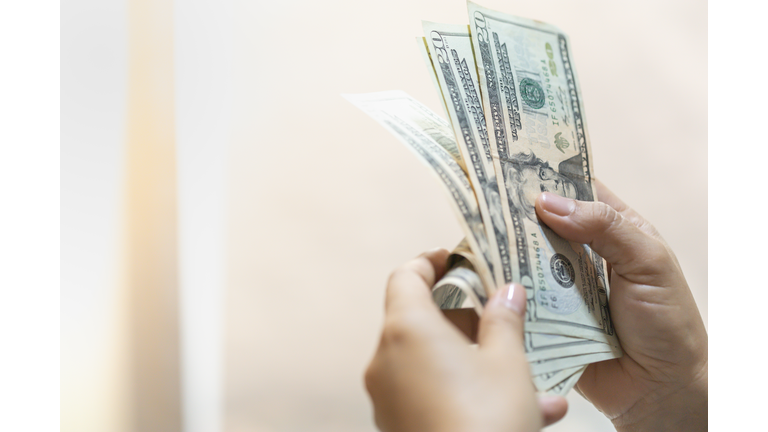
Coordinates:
(94, 348)
(203, 76)
(151, 256)
(145, 132)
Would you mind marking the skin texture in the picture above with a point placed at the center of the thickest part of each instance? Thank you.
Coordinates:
(660, 384)
(426, 376)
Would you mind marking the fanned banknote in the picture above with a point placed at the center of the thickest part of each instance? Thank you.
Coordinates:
(450, 56)
(429, 137)
(516, 128)
(456, 76)
(533, 107)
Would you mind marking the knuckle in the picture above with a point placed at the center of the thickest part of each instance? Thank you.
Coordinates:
(600, 219)
(399, 330)
(647, 228)
(607, 216)
(406, 327)
(638, 221)
(421, 267)
(418, 267)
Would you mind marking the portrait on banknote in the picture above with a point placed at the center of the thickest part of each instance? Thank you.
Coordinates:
(531, 176)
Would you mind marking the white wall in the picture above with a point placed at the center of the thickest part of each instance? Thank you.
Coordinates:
(94, 73)
(203, 61)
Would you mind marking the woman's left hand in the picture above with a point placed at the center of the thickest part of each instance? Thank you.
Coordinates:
(426, 376)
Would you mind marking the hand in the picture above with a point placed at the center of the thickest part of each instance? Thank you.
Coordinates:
(660, 384)
(427, 377)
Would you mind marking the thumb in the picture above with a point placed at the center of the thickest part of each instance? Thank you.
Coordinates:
(629, 250)
(501, 326)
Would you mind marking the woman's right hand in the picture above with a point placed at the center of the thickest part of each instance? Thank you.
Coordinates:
(660, 384)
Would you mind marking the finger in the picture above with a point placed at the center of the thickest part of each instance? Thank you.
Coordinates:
(409, 285)
(607, 196)
(501, 326)
(553, 408)
(438, 257)
(631, 251)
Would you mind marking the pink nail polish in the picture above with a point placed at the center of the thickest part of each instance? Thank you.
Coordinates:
(514, 297)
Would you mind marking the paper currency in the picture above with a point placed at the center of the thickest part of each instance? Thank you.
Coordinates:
(548, 380)
(517, 128)
(542, 145)
(428, 136)
(451, 52)
(561, 388)
(458, 289)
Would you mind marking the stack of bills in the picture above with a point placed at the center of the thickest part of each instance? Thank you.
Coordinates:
(516, 128)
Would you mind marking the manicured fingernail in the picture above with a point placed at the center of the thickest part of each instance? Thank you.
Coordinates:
(556, 204)
(431, 251)
(512, 297)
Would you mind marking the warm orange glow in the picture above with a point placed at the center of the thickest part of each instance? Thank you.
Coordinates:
(151, 255)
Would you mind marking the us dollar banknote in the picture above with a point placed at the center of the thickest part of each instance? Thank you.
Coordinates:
(534, 112)
(458, 289)
(564, 386)
(552, 357)
(430, 138)
(451, 62)
(548, 380)
(450, 51)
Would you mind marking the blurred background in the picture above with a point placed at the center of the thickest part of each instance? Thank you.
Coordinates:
(229, 221)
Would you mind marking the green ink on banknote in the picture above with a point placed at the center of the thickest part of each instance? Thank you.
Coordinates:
(560, 142)
(551, 55)
(532, 93)
(553, 67)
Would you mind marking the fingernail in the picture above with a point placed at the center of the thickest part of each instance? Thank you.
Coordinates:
(512, 297)
(431, 251)
(556, 204)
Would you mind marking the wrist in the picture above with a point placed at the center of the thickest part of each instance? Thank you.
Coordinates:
(682, 409)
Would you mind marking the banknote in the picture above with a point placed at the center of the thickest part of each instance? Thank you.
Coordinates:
(552, 357)
(559, 363)
(451, 61)
(458, 289)
(422, 131)
(534, 112)
(421, 45)
(542, 346)
(450, 51)
(455, 291)
(548, 380)
(564, 386)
